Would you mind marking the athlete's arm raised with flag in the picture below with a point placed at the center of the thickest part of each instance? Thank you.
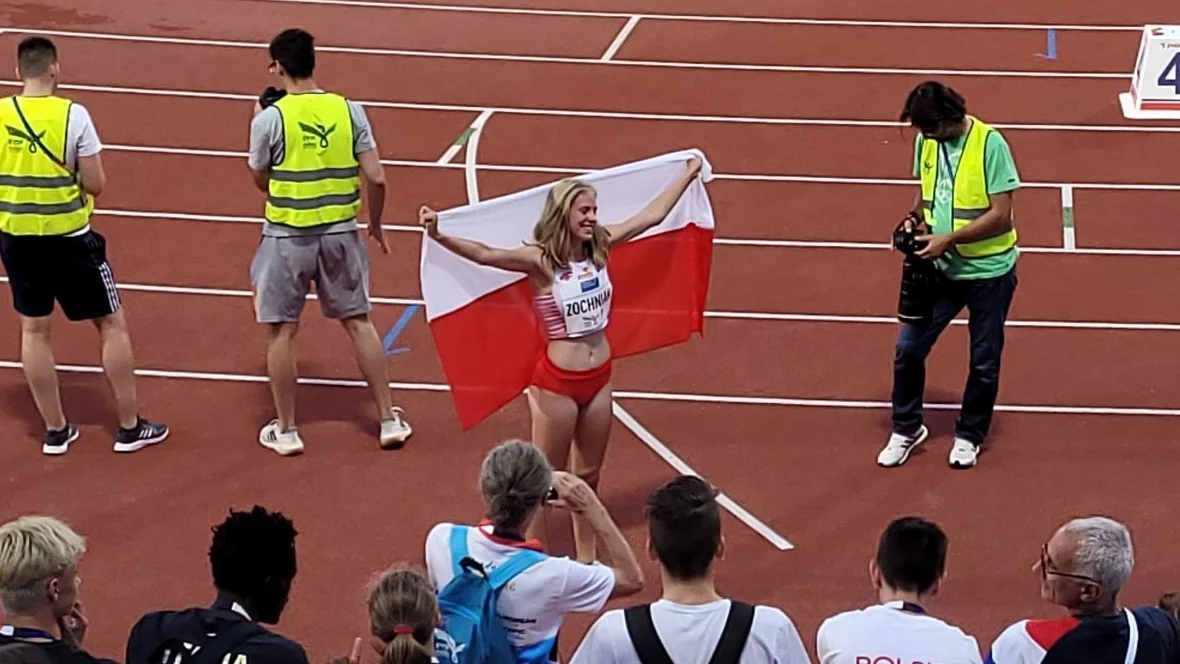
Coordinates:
(526, 259)
(655, 211)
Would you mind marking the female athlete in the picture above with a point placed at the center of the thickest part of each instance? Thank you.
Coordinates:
(570, 394)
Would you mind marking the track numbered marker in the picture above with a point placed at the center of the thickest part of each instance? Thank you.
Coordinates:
(1155, 85)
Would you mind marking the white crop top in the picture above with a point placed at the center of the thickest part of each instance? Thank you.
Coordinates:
(579, 304)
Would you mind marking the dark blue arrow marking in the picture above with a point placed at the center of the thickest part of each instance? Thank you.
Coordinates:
(398, 328)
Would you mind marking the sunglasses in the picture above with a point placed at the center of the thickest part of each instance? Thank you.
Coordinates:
(1046, 571)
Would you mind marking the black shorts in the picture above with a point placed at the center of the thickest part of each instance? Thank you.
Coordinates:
(72, 271)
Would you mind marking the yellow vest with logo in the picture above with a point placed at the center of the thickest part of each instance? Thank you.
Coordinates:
(39, 196)
(970, 199)
(318, 180)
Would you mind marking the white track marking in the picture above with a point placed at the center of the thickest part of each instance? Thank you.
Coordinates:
(1068, 234)
(624, 32)
(464, 137)
(469, 163)
(662, 450)
(763, 316)
(717, 18)
(1124, 411)
(667, 64)
(614, 115)
(746, 177)
(733, 242)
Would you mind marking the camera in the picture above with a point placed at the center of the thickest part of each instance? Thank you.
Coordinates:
(920, 279)
(270, 95)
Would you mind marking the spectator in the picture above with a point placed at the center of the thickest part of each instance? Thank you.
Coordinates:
(253, 563)
(907, 572)
(689, 622)
(514, 482)
(1083, 567)
(1170, 602)
(39, 558)
(23, 653)
(404, 618)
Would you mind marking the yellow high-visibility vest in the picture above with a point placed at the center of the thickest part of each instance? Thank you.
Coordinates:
(318, 180)
(970, 199)
(39, 195)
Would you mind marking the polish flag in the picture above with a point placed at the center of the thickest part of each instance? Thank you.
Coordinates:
(486, 331)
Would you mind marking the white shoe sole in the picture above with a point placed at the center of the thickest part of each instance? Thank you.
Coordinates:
(58, 450)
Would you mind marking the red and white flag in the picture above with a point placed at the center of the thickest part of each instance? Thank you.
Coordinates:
(485, 329)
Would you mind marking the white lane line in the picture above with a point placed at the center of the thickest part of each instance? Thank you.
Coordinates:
(616, 115)
(746, 177)
(549, 59)
(712, 18)
(734, 242)
(1124, 411)
(662, 450)
(624, 32)
(469, 162)
(762, 316)
(463, 138)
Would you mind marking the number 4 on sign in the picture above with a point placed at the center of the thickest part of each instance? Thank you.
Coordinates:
(1170, 76)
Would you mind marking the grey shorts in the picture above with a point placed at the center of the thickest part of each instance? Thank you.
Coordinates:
(285, 267)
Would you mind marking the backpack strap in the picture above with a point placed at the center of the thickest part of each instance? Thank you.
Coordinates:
(458, 545)
(733, 638)
(643, 635)
(519, 562)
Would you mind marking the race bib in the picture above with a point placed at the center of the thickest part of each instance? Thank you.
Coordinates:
(584, 297)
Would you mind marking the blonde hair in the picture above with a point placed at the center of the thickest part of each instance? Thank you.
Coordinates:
(33, 549)
(552, 232)
(403, 597)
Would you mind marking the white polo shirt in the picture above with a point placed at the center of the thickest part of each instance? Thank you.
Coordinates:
(534, 604)
(690, 634)
(884, 633)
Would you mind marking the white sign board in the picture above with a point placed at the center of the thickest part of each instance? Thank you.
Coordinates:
(1155, 86)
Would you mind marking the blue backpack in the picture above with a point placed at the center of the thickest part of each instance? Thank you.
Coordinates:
(468, 603)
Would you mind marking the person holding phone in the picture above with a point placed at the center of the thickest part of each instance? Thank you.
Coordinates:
(963, 217)
(514, 480)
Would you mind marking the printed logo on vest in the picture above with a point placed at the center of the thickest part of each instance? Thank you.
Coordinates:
(17, 138)
(317, 131)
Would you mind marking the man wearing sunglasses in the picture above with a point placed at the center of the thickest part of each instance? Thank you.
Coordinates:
(1082, 568)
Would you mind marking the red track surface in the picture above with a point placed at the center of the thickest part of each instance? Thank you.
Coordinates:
(806, 471)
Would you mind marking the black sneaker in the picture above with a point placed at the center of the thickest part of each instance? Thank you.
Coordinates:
(143, 434)
(58, 442)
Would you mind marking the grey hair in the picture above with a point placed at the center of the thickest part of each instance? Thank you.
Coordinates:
(514, 480)
(1102, 550)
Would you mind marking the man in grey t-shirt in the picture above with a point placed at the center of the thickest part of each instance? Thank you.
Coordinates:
(333, 255)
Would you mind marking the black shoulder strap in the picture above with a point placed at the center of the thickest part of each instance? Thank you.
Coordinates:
(737, 630)
(37, 139)
(643, 635)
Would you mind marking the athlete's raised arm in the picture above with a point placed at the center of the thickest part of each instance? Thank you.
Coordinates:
(656, 210)
(526, 259)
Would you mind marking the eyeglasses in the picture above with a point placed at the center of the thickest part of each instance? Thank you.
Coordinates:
(1046, 571)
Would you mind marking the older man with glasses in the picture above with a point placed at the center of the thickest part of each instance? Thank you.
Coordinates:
(1083, 567)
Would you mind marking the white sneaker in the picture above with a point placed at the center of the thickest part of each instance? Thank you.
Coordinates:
(964, 454)
(394, 430)
(898, 449)
(286, 443)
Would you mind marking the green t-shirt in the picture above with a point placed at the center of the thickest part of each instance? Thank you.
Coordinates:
(1001, 176)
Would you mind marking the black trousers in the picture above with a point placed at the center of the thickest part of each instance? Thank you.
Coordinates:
(988, 302)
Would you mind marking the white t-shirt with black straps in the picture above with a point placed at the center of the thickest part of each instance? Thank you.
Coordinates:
(886, 633)
(690, 633)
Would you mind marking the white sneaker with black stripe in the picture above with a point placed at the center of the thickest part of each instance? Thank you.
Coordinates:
(898, 449)
(286, 443)
(144, 433)
(395, 430)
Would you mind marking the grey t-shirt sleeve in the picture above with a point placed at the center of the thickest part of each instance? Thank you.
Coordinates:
(266, 139)
(362, 131)
(82, 137)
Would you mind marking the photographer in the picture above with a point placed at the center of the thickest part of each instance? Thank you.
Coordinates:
(961, 224)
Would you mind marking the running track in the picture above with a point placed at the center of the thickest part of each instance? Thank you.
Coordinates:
(780, 404)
